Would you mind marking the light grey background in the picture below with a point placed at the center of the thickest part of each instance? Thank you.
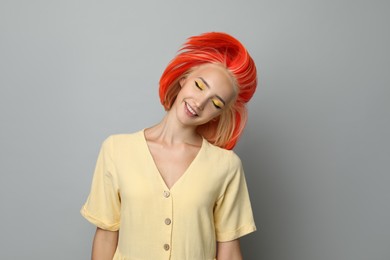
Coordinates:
(316, 149)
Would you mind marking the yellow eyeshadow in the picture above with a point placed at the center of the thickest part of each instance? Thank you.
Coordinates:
(217, 102)
(200, 84)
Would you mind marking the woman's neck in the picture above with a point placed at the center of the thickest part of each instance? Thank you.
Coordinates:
(170, 132)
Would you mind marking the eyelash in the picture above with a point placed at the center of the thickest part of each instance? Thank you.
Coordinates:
(198, 86)
(218, 107)
(214, 102)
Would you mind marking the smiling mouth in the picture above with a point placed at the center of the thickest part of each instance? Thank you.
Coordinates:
(190, 109)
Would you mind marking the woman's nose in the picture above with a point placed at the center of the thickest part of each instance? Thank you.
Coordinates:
(201, 102)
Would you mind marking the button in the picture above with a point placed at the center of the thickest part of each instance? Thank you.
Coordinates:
(167, 221)
(166, 247)
(166, 194)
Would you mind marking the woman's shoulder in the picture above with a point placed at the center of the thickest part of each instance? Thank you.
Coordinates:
(222, 155)
(126, 136)
(123, 140)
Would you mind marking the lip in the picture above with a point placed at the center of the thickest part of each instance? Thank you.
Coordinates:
(190, 110)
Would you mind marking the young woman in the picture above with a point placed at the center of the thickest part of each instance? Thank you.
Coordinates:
(176, 190)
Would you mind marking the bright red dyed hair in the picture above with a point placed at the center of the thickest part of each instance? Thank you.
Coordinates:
(217, 48)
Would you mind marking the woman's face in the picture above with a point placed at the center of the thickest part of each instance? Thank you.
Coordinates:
(204, 94)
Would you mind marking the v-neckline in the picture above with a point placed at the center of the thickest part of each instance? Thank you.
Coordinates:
(158, 173)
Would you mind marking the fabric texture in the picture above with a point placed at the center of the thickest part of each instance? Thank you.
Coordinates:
(209, 202)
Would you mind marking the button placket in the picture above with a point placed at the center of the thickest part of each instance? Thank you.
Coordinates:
(167, 221)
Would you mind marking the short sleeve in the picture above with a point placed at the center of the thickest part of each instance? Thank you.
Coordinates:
(102, 207)
(233, 215)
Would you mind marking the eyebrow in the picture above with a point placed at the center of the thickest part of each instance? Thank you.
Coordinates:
(208, 86)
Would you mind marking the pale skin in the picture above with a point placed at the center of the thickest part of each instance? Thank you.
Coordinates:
(174, 142)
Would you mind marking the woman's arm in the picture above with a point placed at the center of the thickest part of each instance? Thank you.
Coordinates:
(229, 250)
(104, 244)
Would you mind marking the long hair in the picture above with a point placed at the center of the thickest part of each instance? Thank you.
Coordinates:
(218, 48)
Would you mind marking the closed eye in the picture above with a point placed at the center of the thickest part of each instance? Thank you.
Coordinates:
(218, 104)
(199, 85)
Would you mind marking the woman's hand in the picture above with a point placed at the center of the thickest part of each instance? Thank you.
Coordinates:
(229, 250)
(104, 244)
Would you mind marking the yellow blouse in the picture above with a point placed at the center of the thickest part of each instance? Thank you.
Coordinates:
(209, 202)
